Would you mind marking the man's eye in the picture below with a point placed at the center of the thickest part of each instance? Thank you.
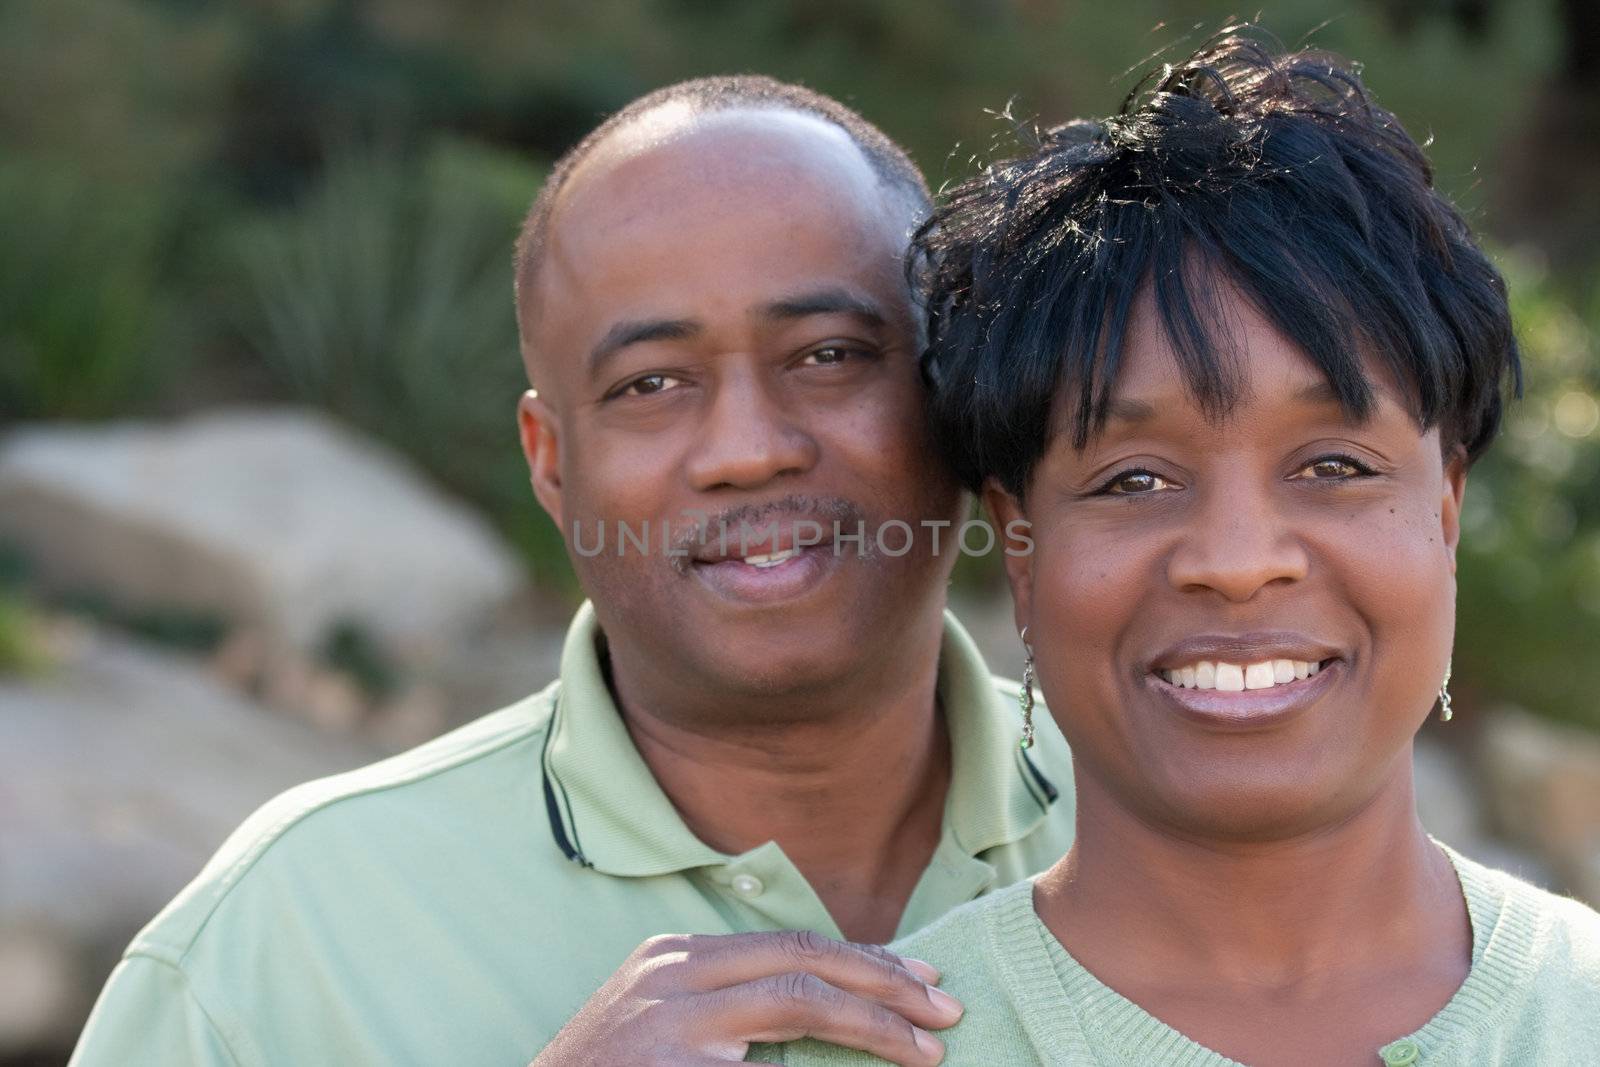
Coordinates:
(1329, 468)
(1135, 483)
(648, 384)
(828, 355)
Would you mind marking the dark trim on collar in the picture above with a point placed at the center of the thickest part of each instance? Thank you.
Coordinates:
(558, 829)
(1051, 793)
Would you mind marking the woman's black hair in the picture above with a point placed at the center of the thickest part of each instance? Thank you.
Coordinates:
(1274, 171)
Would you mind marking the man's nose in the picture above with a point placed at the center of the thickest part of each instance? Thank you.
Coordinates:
(1239, 539)
(748, 438)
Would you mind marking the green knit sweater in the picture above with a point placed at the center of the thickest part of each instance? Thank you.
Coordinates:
(1532, 995)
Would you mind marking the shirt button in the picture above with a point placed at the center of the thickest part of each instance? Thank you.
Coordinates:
(1402, 1053)
(748, 885)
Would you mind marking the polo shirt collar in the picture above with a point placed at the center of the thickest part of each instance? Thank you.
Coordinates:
(608, 812)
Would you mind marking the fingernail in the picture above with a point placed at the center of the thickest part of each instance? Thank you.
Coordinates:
(927, 1043)
(946, 1004)
(922, 969)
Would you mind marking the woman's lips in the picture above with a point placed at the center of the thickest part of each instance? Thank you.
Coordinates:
(1234, 677)
(1248, 708)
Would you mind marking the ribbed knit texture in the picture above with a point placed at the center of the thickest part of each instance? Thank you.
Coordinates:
(1531, 996)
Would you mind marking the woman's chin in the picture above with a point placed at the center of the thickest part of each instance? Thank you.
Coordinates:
(1249, 802)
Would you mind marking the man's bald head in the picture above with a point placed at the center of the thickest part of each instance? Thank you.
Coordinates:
(673, 107)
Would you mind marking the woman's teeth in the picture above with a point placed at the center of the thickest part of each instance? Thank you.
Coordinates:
(1234, 678)
(772, 559)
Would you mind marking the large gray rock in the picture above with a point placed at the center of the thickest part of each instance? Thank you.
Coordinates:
(1450, 804)
(1543, 788)
(120, 773)
(278, 520)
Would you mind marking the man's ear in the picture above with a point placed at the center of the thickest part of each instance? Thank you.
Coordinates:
(541, 446)
(1007, 513)
(1455, 487)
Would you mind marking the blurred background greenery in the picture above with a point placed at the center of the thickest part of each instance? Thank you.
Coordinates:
(215, 201)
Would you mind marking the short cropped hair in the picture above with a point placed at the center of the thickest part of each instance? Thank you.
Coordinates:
(1276, 172)
(891, 164)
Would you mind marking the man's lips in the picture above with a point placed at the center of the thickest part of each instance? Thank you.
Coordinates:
(767, 577)
(761, 542)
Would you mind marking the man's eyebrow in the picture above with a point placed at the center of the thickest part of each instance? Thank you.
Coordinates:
(826, 302)
(638, 331)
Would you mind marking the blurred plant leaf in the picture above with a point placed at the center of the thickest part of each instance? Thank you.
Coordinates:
(86, 326)
(384, 295)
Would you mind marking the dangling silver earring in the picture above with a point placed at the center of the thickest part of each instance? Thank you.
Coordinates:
(1025, 698)
(1445, 711)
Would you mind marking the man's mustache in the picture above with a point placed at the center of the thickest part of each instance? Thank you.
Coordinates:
(728, 525)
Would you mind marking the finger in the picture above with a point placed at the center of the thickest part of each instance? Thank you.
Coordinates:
(921, 968)
(787, 1007)
(867, 971)
(762, 945)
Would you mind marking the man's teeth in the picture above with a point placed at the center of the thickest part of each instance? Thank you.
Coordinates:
(772, 559)
(1234, 678)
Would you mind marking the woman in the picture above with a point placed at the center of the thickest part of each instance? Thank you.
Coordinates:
(1231, 356)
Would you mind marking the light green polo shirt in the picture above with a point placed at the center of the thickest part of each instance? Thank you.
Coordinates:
(458, 903)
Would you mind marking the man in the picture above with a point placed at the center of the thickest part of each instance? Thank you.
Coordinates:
(764, 722)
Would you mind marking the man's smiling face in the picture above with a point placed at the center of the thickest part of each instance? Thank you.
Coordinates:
(720, 324)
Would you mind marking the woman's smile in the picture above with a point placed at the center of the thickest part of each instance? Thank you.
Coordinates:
(1249, 680)
(1249, 708)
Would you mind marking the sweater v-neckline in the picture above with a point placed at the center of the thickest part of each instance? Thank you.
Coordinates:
(1103, 1026)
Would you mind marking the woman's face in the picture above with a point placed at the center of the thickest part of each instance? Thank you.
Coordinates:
(1284, 532)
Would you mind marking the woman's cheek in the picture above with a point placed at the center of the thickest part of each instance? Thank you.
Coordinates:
(1084, 589)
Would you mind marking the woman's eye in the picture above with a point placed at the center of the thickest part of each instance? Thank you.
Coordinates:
(648, 384)
(1135, 483)
(1328, 468)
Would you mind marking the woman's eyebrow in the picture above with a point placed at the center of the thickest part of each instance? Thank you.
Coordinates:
(1123, 409)
(1322, 394)
(1319, 393)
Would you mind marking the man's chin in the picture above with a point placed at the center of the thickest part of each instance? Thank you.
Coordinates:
(789, 668)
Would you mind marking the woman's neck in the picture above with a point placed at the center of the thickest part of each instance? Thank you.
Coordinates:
(1364, 912)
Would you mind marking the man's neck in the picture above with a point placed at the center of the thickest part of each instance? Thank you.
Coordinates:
(852, 789)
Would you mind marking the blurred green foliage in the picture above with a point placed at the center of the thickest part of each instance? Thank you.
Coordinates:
(315, 200)
(383, 294)
(86, 324)
(350, 648)
(20, 651)
(20, 646)
(1528, 599)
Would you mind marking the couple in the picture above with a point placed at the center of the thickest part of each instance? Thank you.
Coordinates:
(1218, 367)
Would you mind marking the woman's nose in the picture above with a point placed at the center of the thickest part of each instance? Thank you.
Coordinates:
(1239, 540)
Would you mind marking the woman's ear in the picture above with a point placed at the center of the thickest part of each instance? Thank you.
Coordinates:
(1455, 487)
(1015, 535)
(541, 446)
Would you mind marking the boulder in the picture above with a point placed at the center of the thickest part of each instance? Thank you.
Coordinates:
(121, 772)
(277, 520)
(1450, 803)
(1542, 781)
